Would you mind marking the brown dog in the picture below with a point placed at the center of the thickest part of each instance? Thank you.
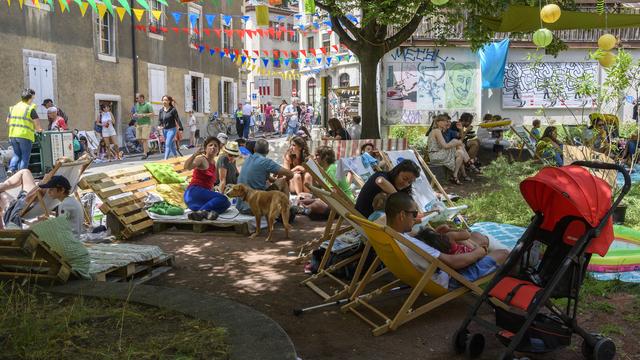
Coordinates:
(264, 203)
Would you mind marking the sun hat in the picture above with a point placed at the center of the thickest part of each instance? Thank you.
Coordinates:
(232, 148)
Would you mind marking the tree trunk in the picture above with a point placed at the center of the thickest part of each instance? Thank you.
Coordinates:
(368, 96)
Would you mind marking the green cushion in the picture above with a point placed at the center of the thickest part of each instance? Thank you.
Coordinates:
(164, 173)
(57, 234)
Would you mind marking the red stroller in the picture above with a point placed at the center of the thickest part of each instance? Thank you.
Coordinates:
(572, 220)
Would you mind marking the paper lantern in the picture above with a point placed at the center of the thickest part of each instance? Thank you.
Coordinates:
(607, 42)
(607, 59)
(542, 37)
(550, 13)
(439, 2)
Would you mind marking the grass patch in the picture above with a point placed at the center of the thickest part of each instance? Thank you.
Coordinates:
(611, 329)
(601, 306)
(35, 325)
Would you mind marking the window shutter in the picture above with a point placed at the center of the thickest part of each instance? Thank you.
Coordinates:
(188, 99)
(234, 95)
(221, 108)
(207, 95)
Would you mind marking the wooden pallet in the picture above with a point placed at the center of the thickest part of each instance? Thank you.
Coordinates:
(23, 255)
(137, 272)
(123, 193)
(201, 226)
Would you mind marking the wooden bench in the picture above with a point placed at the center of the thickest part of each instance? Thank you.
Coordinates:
(123, 193)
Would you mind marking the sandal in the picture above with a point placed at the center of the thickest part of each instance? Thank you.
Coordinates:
(456, 181)
(466, 178)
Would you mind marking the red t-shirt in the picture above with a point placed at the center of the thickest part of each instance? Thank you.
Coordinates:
(204, 178)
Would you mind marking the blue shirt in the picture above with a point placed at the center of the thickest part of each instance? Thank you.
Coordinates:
(255, 171)
(244, 151)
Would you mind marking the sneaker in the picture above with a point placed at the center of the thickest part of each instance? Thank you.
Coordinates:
(145, 156)
(211, 215)
(196, 215)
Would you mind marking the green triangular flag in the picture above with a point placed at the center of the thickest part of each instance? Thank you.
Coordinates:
(125, 5)
(50, 2)
(163, 2)
(93, 5)
(79, 2)
(144, 4)
(109, 6)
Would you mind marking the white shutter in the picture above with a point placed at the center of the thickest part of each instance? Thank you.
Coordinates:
(46, 80)
(157, 88)
(188, 99)
(207, 95)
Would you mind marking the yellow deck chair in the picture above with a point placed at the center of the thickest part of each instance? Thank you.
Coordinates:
(385, 241)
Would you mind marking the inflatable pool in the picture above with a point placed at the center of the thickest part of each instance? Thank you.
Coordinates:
(623, 255)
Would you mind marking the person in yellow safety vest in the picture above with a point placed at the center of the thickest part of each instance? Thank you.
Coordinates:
(23, 123)
(238, 116)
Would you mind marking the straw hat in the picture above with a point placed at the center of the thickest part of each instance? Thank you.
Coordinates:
(232, 149)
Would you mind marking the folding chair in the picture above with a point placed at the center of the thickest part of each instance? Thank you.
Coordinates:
(92, 142)
(525, 141)
(354, 166)
(386, 243)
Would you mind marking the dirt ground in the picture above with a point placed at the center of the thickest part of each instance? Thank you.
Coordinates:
(265, 277)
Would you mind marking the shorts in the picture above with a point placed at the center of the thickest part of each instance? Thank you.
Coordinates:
(143, 131)
(482, 267)
(108, 131)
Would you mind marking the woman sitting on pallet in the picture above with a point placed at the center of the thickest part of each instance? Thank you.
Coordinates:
(199, 196)
(297, 155)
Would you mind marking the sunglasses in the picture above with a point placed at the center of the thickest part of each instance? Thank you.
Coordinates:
(414, 213)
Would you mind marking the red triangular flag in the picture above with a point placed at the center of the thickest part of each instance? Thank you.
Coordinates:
(207, 31)
(246, 53)
(226, 51)
(153, 29)
(217, 49)
(272, 31)
(185, 30)
(240, 33)
(313, 51)
(229, 32)
(207, 46)
(217, 31)
(256, 52)
(195, 30)
(260, 32)
(265, 52)
(175, 29)
(286, 53)
(324, 50)
(237, 52)
(335, 47)
(294, 53)
(304, 53)
(249, 33)
(276, 53)
(164, 29)
(329, 32)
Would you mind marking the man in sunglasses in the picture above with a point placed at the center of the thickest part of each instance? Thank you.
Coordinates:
(401, 212)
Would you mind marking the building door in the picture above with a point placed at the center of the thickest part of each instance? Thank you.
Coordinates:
(41, 81)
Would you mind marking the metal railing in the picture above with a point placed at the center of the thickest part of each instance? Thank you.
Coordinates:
(425, 31)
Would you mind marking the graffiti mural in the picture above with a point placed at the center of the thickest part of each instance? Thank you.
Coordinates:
(421, 82)
(550, 85)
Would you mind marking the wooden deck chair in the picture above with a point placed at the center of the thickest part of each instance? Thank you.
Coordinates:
(341, 207)
(351, 148)
(386, 243)
(423, 192)
(72, 171)
(23, 255)
(354, 165)
(92, 142)
(582, 153)
(525, 141)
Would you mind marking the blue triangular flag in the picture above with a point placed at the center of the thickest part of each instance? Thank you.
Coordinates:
(176, 17)
(221, 54)
(307, 61)
(329, 60)
(265, 61)
(298, 16)
(201, 48)
(276, 62)
(339, 58)
(253, 60)
(316, 25)
(296, 61)
(279, 18)
(227, 19)
(327, 22)
(211, 51)
(246, 18)
(286, 62)
(243, 58)
(352, 18)
(210, 18)
(232, 56)
(193, 18)
(302, 27)
(319, 60)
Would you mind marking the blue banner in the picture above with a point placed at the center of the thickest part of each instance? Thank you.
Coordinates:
(493, 59)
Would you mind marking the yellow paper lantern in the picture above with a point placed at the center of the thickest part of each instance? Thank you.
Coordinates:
(550, 13)
(607, 59)
(607, 42)
(439, 2)
(542, 37)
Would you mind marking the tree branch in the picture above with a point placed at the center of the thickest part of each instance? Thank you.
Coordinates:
(351, 43)
(338, 24)
(408, 30)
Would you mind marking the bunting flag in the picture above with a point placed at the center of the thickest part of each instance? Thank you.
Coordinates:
(93, 5)
(63, 5)
(144, 4)
(227, 19)
(163, 2)
(138, 13)
(246, 18)
(156, 14)
(176, 17)
(102, 9)
(210, 18)
(109, 6)
(121, 11)
(83, 7)
(125, 5)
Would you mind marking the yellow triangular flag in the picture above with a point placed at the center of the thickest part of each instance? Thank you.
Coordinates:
(121, 11)
(37, 4)
(102, 9)
(156, 14)
(9, 3)
(83, 8)
(138, 13)
(62, 4)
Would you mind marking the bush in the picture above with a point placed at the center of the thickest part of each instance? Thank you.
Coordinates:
(415, 136)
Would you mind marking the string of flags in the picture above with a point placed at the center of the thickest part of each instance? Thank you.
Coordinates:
(262, 14)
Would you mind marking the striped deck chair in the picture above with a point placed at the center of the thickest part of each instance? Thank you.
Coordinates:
(351, 148)
(388, 245)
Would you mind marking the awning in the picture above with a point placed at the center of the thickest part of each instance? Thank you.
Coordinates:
(518, 18)
(350, 90)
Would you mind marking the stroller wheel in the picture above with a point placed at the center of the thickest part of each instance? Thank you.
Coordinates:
(460, 341)
(605, 349)
(474, 346)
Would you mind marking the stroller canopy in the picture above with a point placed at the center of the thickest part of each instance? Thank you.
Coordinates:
(557, 192)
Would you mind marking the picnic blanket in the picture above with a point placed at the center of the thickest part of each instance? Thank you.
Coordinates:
(232, 215)
(510, 234)
(635, 176)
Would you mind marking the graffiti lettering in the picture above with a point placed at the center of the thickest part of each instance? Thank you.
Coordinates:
(417, 54)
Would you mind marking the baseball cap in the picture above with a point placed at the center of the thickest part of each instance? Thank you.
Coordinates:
(52, 109)
(57, 181)
(223, 138)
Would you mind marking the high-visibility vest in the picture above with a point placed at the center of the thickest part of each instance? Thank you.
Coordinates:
(20, 123)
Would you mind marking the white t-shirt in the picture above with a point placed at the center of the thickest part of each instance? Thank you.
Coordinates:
(355, 130)
(105, 118)
(440, 277)
(72, 209)
(192, 123)
(247, 109)
(291, 113)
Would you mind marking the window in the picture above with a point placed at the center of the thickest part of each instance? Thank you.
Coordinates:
(194, 19)
(311, 91)
(277, 87)
(344, 80)
(295, 85)
(156, 24)
(326, 41)
(310, 43)
(105, 37)
(227, 41)
(196, 94)
(228, 97)
(292, 36)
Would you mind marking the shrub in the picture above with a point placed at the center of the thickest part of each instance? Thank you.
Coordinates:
(415, 136)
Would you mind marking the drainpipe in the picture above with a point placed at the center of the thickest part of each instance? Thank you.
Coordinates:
(134, 56)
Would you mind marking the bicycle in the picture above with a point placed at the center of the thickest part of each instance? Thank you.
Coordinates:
(217, 125)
